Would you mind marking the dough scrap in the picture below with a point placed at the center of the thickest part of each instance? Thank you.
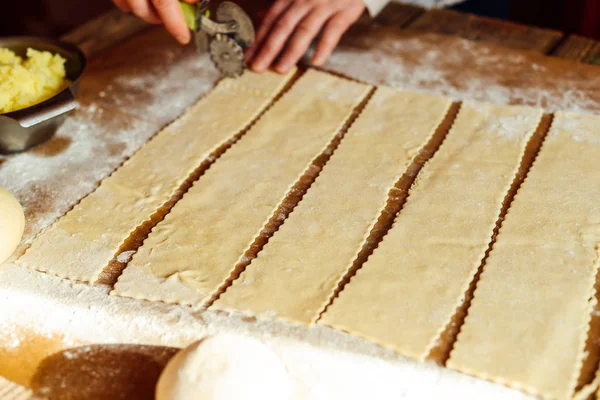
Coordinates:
(528, 321)
(12, 224)
(225, 367)
(294, 276)
(81, 244)
(192, 253)
(406, 293)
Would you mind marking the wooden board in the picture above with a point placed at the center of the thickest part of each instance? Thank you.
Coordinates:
(488, 30)
(462, 69)
(399, 15)
(115, 26)
(105, 31)
(575, 48)
(130, 81)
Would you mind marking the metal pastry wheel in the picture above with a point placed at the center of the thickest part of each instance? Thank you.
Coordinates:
(226, 37)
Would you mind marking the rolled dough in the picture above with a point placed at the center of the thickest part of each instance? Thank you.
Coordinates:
(82, 243)
(12, 224)
(407, 292)
(225, 367)
(393, 301)
(529, 318)
(317, 244)
(193, 252)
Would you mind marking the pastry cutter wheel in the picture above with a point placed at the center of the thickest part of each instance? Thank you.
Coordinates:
(225, 38)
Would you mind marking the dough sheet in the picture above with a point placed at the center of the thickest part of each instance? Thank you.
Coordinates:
(193, 252)
(406, 293)
(295, 275)
(81, 244)
(528, 321)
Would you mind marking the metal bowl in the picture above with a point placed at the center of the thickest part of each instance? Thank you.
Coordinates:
(22, 129)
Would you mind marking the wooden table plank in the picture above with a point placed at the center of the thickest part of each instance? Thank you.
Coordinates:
(488, 30)
(574, 48)
(114, 26)
(593, 57)
(105, 31)
(399, 15)
(441, 21)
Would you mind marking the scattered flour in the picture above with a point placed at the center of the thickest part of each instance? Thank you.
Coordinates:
(127, 110)
(580, 127)
(125, 256)
(48, 185)
(466, 70)
(99, 136)
(323, 363)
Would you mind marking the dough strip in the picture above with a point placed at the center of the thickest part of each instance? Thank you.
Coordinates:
(82, 243)
(406, 293)
(296, 273)
(529, 318)
(193, 252)
(440, 352)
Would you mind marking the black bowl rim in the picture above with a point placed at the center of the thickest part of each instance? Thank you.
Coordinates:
(8, 40)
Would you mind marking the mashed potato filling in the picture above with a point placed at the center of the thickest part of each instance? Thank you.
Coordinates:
(25, 82)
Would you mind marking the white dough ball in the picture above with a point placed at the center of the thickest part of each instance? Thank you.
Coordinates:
(12, 224)
(225, 367)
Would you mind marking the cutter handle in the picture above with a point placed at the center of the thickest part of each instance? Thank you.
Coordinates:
(189, 14)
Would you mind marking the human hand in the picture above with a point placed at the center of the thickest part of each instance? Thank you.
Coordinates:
(167, 12)
(290, 26)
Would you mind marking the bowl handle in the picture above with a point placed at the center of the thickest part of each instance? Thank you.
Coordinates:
(60, 104)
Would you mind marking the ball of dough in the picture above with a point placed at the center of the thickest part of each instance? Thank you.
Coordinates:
(225, 367)
(12, 224)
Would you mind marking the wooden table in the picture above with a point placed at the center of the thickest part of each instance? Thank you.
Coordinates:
(115, 26)
(101, 40)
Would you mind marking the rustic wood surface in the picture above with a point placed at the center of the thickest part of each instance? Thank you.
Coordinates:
(105, 31)
(115, 26)
(575, 48)
(399, 15)
(488, 30)
(120, 48)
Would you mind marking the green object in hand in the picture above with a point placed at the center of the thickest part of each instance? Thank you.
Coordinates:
(189, 14)
(595, 60)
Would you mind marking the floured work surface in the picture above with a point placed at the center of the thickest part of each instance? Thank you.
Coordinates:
(80, 245)
(192, 253)
(407, 292)
(131, 92)
(528, 320)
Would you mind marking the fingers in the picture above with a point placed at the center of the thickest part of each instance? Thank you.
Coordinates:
(282, 29)
(143, 9)
(171, 15)
(291, 25)
(272, 15)
(332, 34)
(303, 36)
(122, 4)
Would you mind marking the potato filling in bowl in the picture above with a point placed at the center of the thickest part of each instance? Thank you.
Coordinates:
(29, 81)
